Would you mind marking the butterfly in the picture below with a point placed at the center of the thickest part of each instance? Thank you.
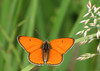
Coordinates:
(45, 52)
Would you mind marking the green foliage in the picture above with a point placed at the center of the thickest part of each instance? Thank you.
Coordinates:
(46, 20)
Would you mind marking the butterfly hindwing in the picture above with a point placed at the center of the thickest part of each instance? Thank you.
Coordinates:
(36, 57)
(54, 57)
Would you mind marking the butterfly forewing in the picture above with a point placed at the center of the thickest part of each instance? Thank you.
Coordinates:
(62, 45)
(29, 43)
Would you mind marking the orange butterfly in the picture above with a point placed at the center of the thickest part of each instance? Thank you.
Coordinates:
(45, 52)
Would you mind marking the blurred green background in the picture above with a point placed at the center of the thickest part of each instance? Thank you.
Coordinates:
(46, 20)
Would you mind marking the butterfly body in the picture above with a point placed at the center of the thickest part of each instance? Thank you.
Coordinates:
(45, 52)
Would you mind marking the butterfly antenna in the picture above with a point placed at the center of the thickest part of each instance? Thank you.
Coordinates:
(48, 38)
(41, 36)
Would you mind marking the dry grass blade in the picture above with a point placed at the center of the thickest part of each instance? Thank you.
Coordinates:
(86, 56)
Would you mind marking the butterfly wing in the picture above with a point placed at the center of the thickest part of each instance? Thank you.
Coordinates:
(62, 45)
(29, 43)
(59, 47)
(33, 46)
(36, 57)
(54, 57)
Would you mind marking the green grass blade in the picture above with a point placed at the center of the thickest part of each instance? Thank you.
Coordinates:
(40, 24)
(98, 64)
(59, 18)
(28, 68)
(31, 15)
(67, 56)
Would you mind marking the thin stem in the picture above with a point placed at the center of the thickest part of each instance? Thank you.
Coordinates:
(28, 68)
(10, 42)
